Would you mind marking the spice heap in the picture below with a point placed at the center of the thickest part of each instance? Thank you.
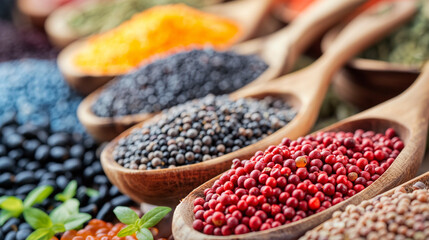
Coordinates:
(36, 91)
(157, 31)
(97, 229)
(33, 156)
(403, 215)
(294, 180)
(200, 130)
(16, 44)
(99, 17)
(408, 45)
(177, 79)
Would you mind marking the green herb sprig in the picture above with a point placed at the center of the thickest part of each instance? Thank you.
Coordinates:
(63, 218)
(139, 226)
(13, 207)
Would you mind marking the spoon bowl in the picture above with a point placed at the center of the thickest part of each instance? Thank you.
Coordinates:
(279, 50)
(167, 186)
(408, 114)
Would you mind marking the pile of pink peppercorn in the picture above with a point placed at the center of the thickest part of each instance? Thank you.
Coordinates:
(294, 180)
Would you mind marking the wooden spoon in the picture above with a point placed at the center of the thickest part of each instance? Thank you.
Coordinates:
(408, 114)
(280, 50)
(87, 83)
(166, 186)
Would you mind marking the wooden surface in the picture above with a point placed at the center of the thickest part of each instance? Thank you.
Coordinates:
(279, 50)
(167, 186)
(86, 83)
(410, 121)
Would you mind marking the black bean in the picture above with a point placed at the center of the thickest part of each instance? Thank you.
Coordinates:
(25, 226)
(56, 168)
(72, 164)
(104, 211)
(58, 139)
(42, 153)
(14, 141)
(25, 177)
(25, 189)
(6, 164)
(23, 234)
(101, 180)
(10, 225)
(32, 166)
(90, 209)
(58, 153)
(122, 200)
(113, 191)
(62, 182)
(77, 151)
(10, 236)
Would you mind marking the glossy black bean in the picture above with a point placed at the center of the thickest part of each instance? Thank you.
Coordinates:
(113, 191)
(25, 189)
(6, 164)
(90, 209)
(6, 180)
(56, 168)
(104, 211)
(10, 236)
(32, 166)
(25, 177)
(58, 139)
(10, 225)
(72, 164)
(58, 153)
(24, 225)
(122, 200)
(23, 234)
(62, 182)
(77, 151)
(101, 180)
(42, 153)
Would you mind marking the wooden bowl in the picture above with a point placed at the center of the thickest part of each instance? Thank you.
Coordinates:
(366, 82)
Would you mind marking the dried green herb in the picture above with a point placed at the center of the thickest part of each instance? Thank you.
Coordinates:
(408, 45)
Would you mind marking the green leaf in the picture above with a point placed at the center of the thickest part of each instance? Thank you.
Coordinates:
(68, 193)
(144, 234)
(4, 216)
(91, 192)
(37, 218)
(126, 215)
(61, 213)
(12, 204)
(41, 234)
(38, 195)
(127, 231)
(76, 221)
(58, 228)
(153, 217)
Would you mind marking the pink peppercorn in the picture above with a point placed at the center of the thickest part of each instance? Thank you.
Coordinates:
(293, 180)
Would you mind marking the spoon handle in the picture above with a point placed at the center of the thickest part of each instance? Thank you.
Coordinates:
(295, 38)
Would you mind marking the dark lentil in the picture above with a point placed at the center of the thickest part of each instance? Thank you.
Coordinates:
(23, 43)
(176, 79)
(201, 130)
(35, 90)
(403, 215)
(36, 167)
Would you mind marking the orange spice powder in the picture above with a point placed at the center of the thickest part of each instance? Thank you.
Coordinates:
(157, 31)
